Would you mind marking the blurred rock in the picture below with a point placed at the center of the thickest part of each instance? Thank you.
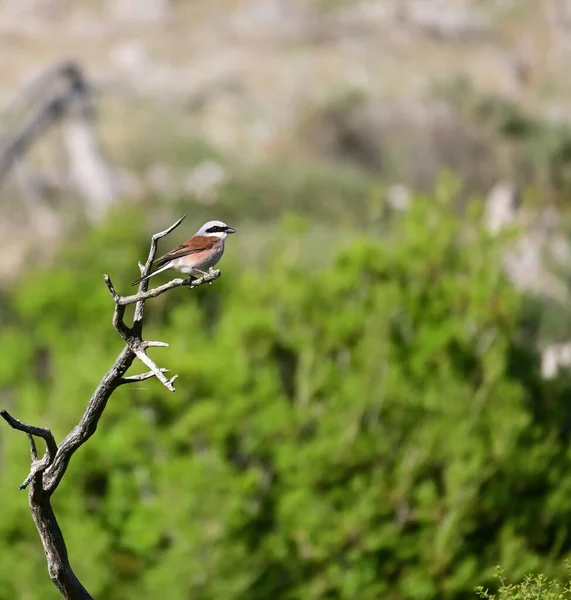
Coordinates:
(131, 56)
(130, 185)
(553, 358)
(530, 263)
(204, 180)
(36, 10)
(159, 179)
(526, 267)
(373, 11)
(456, 19)
(272, 18)
(146, 11)
(398, 197)
(560, 14)
(500, 207)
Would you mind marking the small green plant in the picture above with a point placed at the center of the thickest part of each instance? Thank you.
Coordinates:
(533, 587)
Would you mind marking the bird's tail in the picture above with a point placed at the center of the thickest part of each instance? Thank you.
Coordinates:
(164, 268)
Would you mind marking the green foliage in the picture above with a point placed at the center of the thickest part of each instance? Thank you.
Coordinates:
(533, 587)
(370, 429)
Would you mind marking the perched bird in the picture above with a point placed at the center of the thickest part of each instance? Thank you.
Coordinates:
(198, 254)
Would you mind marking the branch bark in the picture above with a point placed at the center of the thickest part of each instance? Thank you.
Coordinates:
(46, 473)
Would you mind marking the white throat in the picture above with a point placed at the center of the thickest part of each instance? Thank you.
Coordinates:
(221, 235)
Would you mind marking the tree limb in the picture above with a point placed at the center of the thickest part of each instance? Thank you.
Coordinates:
(140, 377)
(46, 474)
(51, 446)
(144, 295)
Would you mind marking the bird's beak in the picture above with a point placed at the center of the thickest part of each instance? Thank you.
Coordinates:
(230, 230)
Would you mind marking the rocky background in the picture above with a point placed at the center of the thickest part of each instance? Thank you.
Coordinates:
(396, 88)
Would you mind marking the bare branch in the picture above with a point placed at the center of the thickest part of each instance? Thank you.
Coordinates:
(43, 432)
(154, 344)
(33, 449)
(38, 466)
(110, 287)
(89, 421)
(157, 236)
(44, 518)
(140, 308)
(168, 383)
(46, 474)
(140, 377)
(119, 311)
(192, 283)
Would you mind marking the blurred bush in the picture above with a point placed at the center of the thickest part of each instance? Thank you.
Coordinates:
(531, 150)
(371, 429)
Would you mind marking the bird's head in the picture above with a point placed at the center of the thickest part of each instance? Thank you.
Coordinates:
(217, 229)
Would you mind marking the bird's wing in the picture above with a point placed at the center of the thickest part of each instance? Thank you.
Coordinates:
(197, 243)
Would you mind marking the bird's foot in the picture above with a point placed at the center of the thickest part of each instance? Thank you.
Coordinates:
(210, 273)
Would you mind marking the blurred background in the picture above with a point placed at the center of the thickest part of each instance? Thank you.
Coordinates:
(373, 400)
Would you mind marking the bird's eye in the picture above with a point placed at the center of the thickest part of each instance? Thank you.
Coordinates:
(216, 229)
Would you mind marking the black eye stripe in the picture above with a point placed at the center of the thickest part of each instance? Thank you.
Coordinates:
(216, 229)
